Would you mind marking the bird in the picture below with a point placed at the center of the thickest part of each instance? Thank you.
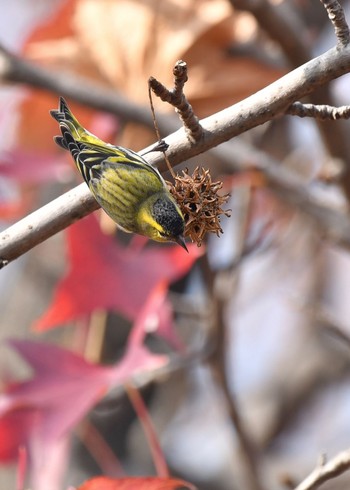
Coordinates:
(128, 188)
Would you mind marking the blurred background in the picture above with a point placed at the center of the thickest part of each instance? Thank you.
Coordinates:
(260, 322)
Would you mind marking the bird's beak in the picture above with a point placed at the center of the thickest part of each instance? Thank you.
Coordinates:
(181, 241)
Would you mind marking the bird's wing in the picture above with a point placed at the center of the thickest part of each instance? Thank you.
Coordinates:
(90, 153)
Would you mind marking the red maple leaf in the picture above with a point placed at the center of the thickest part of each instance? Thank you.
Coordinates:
(104, 275)
(62, 376)
(39, 413)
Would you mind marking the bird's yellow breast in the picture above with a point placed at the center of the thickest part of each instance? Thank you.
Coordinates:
(122, 189)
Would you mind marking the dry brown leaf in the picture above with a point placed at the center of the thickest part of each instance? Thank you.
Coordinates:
(133, 40)
(121, 43)
(55, 44)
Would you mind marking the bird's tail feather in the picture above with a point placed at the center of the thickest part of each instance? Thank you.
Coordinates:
(66, 119)
(60, 141)
(69, 124)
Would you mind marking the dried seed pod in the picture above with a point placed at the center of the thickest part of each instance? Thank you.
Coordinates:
(199, 202)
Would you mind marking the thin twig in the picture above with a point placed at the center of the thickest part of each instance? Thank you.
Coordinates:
(149, 430)
(337, 17)
(177, 98)
(99, 449)
(322, 112)
(170, 168)
(247, 448)
(335, 467)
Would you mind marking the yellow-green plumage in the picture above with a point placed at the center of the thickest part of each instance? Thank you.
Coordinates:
(128, 188)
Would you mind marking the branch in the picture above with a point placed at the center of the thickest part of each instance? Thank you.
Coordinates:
(177, 98)
(149, 430)
(257, 109)
(264, 105)
(288, 32)
(45, 222)
(335, 467)
(321, 112)
(17, 70)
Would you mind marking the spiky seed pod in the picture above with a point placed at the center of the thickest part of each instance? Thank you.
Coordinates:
(200, 203)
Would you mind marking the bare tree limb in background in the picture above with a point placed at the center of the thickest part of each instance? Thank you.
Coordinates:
(222, 287)
(325, 472)
(290, 34)
(14, 69)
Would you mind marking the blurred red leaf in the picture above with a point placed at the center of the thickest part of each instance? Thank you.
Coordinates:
(61, 376)
(39, 413)
(104, 275)
(36, 128)
(43, 404)
(14, 427)
(139, 483)
(33, 166)
(15, 207)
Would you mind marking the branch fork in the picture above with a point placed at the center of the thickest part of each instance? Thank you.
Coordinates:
(177, 98)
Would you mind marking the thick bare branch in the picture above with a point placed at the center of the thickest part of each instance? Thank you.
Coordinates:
(263, 106)
(77, 203)
(46, 222)
(17, 70)
(251, 112)
(335, 467)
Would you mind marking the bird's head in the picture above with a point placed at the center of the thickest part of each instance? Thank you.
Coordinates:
(160, 219)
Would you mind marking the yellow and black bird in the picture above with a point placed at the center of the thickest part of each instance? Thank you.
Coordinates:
(127, 187)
